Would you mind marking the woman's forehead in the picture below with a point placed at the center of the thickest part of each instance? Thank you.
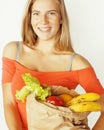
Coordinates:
(46, 4)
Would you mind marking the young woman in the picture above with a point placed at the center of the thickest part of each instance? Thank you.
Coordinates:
(45, 52)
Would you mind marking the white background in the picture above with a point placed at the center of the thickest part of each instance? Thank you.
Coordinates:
(87, 30)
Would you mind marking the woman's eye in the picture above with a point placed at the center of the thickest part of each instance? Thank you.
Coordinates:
(36, 14)
(52, 13)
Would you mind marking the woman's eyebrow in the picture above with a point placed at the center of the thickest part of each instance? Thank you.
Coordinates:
(35, 11)
(53, 11)
(47, 11)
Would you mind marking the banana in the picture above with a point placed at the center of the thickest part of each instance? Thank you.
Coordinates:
(84, 98)
(86, 107)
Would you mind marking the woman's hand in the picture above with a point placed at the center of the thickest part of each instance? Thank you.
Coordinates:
(99, 123)
(101, 101)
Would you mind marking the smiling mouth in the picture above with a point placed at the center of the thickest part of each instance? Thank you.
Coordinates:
(44, 29)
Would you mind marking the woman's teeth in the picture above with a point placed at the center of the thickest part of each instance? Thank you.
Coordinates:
(44, 29)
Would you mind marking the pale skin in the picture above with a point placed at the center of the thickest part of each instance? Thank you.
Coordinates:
(45, 21)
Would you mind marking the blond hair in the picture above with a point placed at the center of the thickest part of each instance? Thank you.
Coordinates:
(63, 41)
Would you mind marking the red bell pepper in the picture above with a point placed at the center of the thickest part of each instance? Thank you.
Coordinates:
(56, 100)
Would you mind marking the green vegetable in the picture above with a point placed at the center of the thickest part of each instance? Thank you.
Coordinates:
(22, 94)
(32, 85)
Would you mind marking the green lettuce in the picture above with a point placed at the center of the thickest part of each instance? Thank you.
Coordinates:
(32, 84)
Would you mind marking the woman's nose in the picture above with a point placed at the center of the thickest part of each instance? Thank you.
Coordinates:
(44, 19)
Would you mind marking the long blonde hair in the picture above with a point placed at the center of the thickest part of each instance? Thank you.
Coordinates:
(63, 41)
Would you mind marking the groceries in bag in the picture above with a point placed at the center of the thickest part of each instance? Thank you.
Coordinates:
(80, 103)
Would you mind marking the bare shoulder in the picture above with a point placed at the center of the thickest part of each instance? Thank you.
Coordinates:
(10, 50)
(80, 62)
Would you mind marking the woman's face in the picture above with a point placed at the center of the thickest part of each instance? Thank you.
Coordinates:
(45, 19)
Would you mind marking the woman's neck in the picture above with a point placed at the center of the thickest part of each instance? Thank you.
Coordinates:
(45, 46)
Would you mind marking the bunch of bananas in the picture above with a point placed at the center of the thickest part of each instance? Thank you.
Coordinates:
(85, 103)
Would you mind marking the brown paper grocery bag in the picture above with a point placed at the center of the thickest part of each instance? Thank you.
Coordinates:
(45, 116)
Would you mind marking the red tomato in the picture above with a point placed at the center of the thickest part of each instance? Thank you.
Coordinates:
(55, 100)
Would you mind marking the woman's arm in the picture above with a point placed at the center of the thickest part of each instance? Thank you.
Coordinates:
(12, 116)
(99, 124)
(10, 109)
(90, 82)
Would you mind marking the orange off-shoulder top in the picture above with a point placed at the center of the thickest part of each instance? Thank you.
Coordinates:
(12, 72)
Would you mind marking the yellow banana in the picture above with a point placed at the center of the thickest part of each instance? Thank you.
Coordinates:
(84, 98)
(86, 107)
